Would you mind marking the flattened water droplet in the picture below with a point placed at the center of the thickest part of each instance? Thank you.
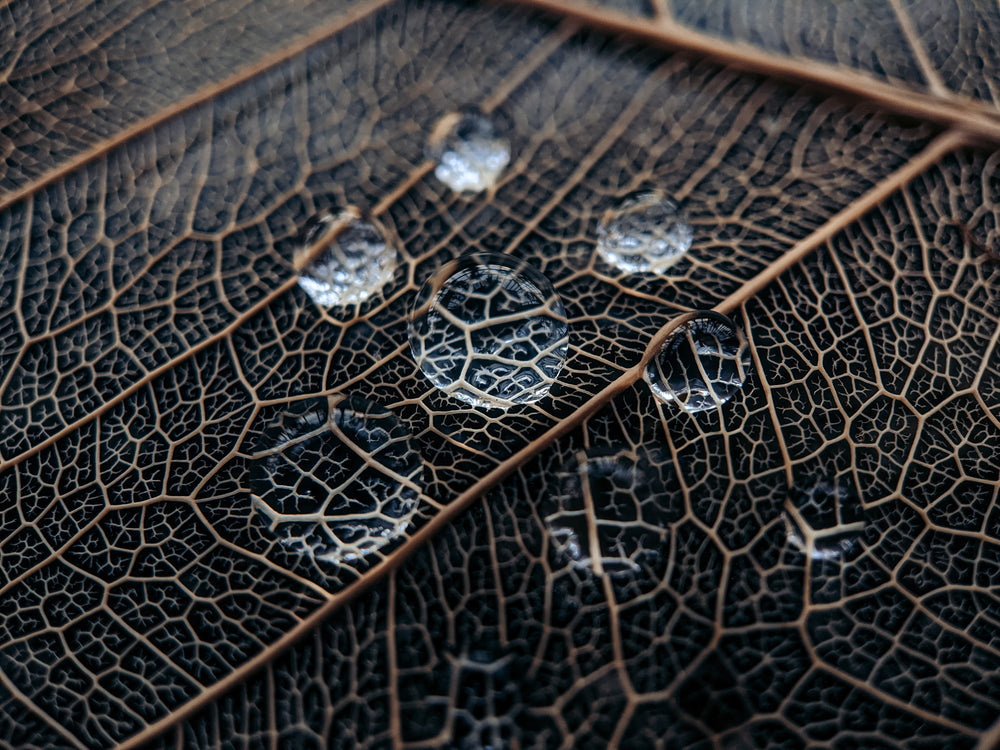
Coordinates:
(825, 520)
(612, 511)
(701, 365)
(336, 478)
(646, 233)
(469, 153)
(356, 263)
(490, 330)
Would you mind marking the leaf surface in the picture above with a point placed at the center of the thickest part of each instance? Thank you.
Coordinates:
(154, 330)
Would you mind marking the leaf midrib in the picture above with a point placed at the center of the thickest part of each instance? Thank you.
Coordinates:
(970, 122)
(932, 153)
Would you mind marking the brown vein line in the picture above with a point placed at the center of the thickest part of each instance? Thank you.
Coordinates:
(786, 457)
(529, 65)
(206, 93)
(937, 148)
(897, 703)
(934, 81)
(497, 579)
(395, 721)
(943, 144)
(416, 540)
(962, 113)
(519, 74)
(991, 738)
(30, 705)
(91, 43)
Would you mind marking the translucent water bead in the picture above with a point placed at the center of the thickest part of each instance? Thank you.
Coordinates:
(701, 365)
(489, 330)
(645, 233)
(356, 262)
(336, 478)
(825, 519)
(468, 151)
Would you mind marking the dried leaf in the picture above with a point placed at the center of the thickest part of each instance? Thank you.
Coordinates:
(816, 558)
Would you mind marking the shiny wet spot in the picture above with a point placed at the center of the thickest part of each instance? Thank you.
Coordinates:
(645, 233)
(701, 365)
(825, 519)
(336, 478)
(355, 259)
(468, 151)
(489, 330)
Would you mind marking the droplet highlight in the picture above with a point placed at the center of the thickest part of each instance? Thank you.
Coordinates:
(356, 262)
(469, 152)
(645, 233)
(336, 478)
(701, 365)
(825, 520)
(612, 510)
(490, 330)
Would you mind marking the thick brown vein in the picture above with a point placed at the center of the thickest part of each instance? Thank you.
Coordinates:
(507, 86)
(978, 120)
(205, 94)
(931, 154)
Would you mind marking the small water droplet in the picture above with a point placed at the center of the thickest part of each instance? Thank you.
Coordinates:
(355, 264)
(825, 520)
(646, 233)
(701, 365)
(469, 153)
(611, 511)
(490, 330)
(336, 478)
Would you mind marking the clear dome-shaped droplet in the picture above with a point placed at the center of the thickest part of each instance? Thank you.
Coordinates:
(336, 478)
(356, 262)
(468, 151)
(611, 511)
(646, 233)
(490, 330)
(701, 365)
(825, 520)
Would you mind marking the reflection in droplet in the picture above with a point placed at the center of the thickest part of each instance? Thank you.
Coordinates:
(825, 520)
(355, 264)
(468, 151)
(611, 511)
(336, 478)
(490, 330)
(701, 365)
(646, 233)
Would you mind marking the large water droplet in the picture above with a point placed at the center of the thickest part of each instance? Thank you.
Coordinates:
(701, 365)
(646, 233)
(490, 330)
(612, 510)
(356, 262)
(469, 153)
(336, 478)
(825, 520)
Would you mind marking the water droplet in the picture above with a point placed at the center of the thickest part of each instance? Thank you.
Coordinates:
(489, 330)
(825, 520)
(355, 264)
(469, 153)
(336, 478)
(646, 233)
(701, 365)
(612, 510)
